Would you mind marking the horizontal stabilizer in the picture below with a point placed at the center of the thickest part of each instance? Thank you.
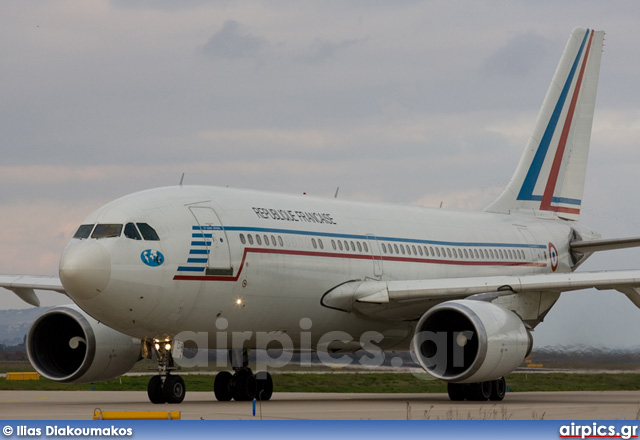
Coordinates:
(604, 245)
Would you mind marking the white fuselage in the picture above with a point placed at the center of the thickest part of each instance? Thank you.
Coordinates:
(262, 261)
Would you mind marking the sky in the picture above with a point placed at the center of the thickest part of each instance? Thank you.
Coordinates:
(406, 101)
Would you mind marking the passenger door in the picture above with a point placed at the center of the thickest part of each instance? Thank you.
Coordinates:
(210, 241)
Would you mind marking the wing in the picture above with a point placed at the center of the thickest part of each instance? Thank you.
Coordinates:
(24, 286)
(413, 297)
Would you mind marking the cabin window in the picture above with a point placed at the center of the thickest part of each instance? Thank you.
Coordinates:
(273, 241)
(359, 246)
(250, 238)
(84, 231)
(258, 240)
(130, 231)
(266, 240)
(395, 248)
(353, 247)
(333, 244)
(313, 243)
(340, 244)
(148, 233)
(366, 248)
(466, 254)
(384, 248)
(320, 243)
(280, 241)
(242, 239)
(107, 231)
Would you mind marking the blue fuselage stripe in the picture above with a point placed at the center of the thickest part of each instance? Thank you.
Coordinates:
(391, 239)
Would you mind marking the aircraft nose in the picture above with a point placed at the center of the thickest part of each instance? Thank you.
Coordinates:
(85, 269)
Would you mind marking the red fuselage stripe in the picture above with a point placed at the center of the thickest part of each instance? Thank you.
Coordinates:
(349, 256)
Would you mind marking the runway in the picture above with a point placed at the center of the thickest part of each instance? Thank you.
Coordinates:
(579, 405)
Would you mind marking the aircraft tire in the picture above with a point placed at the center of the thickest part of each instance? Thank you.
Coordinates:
(221, 386)
(457, 391)
(479, 391)
(174, 389)
(154, 390)
(264, 386)
(498, 389)
(244, 386)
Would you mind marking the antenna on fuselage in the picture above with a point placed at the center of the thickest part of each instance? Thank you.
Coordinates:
(335, 196)
(181, 179)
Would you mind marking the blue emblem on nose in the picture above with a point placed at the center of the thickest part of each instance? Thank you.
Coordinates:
(152, 258)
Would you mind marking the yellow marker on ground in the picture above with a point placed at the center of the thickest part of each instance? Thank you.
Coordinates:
(98, 414)
(28, 375)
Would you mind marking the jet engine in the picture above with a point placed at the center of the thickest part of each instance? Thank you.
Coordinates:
(467, 341)
(67, 345)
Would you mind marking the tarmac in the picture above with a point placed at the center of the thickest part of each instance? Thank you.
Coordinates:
(576, 405)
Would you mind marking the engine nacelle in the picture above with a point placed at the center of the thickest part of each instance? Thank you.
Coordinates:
(67, 345)
(470, 341)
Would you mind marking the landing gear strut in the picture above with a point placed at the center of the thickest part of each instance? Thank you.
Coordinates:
(480, 391)
(243, 385)
(165, 387)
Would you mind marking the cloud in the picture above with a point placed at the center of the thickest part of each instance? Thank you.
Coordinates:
(473, 199)
(234, 42)
(322, 50)
(520, 56)
(167, 5)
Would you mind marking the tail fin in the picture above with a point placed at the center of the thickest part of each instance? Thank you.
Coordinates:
(550, 175)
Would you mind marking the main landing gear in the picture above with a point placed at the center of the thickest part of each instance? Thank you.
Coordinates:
(478, 391)
(165, 387)
(243, 385)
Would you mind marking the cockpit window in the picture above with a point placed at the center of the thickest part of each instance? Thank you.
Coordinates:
(106, 231)
(130, 231)
(148, 233)
(83, 231)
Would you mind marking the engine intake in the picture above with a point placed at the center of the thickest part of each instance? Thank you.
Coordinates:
(66, 345)
(470, 341)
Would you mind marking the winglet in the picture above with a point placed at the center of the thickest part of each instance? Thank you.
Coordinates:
(551, 172)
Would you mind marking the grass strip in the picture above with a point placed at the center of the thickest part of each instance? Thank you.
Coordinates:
(359, 383)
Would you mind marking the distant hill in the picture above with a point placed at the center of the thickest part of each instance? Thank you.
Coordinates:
(14, 324)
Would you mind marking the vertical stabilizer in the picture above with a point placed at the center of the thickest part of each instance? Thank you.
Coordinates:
(550, 175)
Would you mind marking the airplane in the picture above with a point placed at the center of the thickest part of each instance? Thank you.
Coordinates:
(245, 270)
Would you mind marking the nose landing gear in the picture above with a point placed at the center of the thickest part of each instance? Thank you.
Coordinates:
(165, 387)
